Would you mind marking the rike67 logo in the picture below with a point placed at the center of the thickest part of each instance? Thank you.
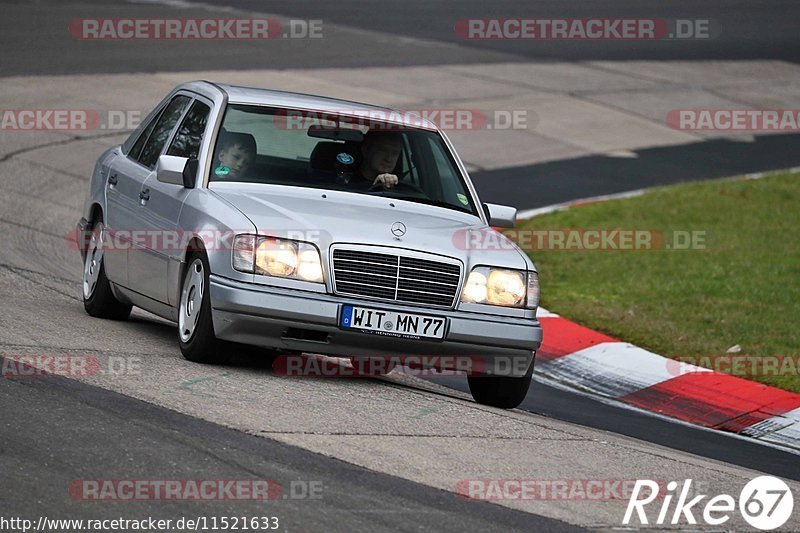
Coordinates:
(765, 503)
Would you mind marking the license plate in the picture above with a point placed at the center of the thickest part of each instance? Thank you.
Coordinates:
(391, 323)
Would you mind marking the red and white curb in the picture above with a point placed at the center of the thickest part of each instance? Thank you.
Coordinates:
(594, 363)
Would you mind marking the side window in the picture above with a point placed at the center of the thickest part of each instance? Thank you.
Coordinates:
(275, 137)
(190, 133)
(160, 133)
(145, 133)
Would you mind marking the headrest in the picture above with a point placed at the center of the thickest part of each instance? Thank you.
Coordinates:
(325, 154)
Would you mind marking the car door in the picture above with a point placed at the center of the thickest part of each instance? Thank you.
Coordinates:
(132, 172)
(160, 207)
(123, 183)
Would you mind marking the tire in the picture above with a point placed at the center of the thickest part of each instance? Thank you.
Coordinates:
(505, 392)
(195, 325)
(98, 298)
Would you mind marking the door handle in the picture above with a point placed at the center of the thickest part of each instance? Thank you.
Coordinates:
(144, 196)
(112, 180)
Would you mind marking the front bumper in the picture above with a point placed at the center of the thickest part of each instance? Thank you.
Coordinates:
(305, 321)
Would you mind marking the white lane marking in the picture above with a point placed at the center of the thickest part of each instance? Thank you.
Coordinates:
(759, 175)
(615, 369)
(530, 213)
(541, 312)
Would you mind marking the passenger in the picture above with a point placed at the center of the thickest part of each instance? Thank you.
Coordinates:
(235, 155)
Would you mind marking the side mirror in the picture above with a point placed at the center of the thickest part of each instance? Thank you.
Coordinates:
(177, 170)
(502, 216)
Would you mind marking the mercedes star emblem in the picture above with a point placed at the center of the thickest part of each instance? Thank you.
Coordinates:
(398, 229)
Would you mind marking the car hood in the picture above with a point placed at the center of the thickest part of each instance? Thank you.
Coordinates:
(326, 217)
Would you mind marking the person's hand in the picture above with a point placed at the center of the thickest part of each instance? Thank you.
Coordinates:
(386, 180)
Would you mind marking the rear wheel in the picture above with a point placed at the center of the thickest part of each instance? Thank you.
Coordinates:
(505, 392)
(98, 298)
(195, 326)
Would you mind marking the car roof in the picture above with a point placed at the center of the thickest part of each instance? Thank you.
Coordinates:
(323, 104)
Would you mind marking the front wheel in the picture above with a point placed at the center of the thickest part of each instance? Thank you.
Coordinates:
(195, 326)
(98, 298)
(505, 392)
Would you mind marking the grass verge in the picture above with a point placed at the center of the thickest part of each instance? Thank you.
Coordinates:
(738, 283)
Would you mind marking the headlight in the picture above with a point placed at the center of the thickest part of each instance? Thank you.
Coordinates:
(475, 290)
(507, 288)
(309, 266)
(277, 257)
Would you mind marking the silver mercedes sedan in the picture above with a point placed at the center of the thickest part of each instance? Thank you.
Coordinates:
(305, 224)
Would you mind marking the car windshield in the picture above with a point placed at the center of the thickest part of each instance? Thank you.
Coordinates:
(338, 151)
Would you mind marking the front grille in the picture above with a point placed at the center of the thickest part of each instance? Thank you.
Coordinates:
(395, 278)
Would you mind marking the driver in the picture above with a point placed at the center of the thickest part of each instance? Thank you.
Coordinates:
(380, 150)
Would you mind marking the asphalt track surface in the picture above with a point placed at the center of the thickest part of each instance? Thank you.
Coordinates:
(744, 30)
(555, 182)
(565, 405)
(390, 33)
(57, 426)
